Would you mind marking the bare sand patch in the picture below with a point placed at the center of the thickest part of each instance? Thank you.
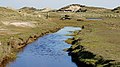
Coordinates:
(19, 24)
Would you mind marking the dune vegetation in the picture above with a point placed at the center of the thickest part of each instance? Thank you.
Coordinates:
(99, 38)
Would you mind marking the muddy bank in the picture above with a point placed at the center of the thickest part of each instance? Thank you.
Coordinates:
(85, 58)
(46, 51)
(17, 44)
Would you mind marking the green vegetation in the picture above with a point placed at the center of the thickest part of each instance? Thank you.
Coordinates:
(99, 39)
(97, 44)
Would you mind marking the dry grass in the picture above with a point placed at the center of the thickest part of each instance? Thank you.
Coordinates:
(100, 37)
(103, 39)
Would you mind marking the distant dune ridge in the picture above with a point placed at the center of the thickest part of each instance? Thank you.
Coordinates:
(117, 9)
(69, 8)
(72, 7)
(81, 8)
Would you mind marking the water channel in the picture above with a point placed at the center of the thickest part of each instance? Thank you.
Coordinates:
(47, 51)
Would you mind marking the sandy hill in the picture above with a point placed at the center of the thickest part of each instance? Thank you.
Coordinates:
(32, 9)
(7, 12)
(117, 9)
(4, 10)
(81, 8)
(72, 7)
(27, 9)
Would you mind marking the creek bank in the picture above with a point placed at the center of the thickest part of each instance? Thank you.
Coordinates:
(85, 58)
(17, 44)
(46, 51)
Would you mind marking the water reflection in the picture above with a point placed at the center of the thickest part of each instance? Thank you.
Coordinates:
(47, 51)
(94, 19)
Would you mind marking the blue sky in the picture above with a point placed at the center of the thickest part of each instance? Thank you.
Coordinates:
(58, 3)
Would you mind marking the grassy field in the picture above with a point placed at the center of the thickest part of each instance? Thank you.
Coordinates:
(18, 29)
(100, 37)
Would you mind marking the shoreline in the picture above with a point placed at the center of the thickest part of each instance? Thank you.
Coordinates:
(31, 39)
(100, 37)
(85, 58)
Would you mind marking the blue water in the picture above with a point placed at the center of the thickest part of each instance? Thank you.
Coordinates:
(94, 19)
(47, 51)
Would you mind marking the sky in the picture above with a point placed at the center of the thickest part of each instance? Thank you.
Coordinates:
(58, 3)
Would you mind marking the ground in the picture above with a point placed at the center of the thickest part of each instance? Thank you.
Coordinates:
(100, 37)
